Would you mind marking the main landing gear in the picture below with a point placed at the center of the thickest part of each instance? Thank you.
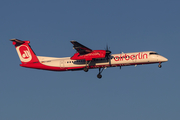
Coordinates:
(160, 65)
(99, 74)
(86, 67)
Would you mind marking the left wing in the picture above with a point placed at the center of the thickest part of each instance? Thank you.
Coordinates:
(81, 49)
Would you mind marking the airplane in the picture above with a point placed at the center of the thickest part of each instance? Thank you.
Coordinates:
(84, 58)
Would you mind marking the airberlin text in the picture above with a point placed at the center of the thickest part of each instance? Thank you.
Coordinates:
(130, 57)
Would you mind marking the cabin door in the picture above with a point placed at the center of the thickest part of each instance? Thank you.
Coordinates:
(61, 63)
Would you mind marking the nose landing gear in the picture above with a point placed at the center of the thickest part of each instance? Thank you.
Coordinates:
(160, 65)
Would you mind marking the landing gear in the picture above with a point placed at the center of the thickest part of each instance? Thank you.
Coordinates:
(99, 74)
(159, 65)
(86, 67)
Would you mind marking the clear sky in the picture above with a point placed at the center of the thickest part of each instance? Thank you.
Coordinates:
(131, 93)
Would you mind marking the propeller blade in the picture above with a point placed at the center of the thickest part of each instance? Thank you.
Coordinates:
(109, 59)
(108, 56)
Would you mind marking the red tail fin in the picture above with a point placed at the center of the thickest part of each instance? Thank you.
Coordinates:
(24, 51)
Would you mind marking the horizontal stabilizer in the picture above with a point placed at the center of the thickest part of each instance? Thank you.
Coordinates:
(17, 41)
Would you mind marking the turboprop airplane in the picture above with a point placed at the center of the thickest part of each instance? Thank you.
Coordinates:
(84, 59)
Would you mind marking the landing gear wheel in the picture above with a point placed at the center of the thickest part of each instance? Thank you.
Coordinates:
(159, 65)
(86, 69)
(99, 76)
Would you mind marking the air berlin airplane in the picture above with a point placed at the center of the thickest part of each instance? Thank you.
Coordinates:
(84, 59)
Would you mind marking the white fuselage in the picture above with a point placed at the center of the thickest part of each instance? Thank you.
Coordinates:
(122, 59)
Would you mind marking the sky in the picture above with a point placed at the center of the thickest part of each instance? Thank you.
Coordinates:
(144, 92)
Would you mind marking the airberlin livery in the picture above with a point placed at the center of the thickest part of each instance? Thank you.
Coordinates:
(84, 58)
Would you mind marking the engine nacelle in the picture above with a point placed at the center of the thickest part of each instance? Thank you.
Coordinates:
(88, 57)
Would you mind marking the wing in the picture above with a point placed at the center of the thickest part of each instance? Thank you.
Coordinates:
(81, 48)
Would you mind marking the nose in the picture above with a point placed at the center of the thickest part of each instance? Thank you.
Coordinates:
(164, 59)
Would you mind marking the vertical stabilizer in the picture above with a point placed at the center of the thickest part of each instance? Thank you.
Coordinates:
(24, 51)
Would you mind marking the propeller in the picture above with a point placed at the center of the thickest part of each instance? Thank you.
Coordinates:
(108, 56)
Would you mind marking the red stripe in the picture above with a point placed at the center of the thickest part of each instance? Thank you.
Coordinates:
(45, 67)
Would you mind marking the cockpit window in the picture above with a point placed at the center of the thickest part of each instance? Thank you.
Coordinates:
(153, 53)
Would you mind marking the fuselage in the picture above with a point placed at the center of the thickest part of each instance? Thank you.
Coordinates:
(123, 59)
(84, 58)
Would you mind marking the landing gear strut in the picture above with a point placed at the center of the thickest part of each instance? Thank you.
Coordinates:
(86, 67)
(159, 65)
(99, 74)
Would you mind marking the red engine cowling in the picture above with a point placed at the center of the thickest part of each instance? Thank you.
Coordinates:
(90, 56)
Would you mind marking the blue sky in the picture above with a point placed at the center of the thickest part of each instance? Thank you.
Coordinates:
(131, 93)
